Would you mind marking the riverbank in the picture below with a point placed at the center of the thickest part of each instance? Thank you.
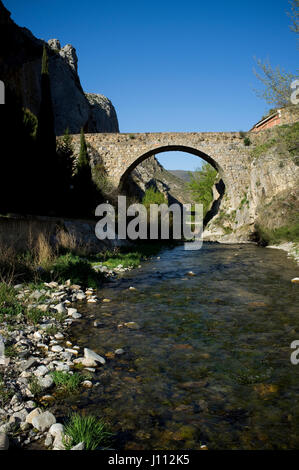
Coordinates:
(43, 365)
(291, 248)
(40, 364)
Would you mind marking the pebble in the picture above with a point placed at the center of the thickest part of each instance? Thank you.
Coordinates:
(60, 308)
(87, 384)
(76, 315)
(56, 348)
(132, 325)
(119, 351)
(59, 336)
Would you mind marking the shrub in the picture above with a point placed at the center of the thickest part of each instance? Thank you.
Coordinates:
(9, 304)
(88, 429)
(75, 268)
(65, 381)
(153, 196)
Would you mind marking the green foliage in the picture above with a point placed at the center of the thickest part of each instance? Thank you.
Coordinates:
(11, 351)
(66, 382)
(77, 269)
(153, 196)
(201, 184)
(5, 393)
(88, 429)
(278, 235)
(9, 304)
(30, 123)
(100, 179)
(83, 160)
(45, 62)
(247, 142)
(286, 136)
(276, 82)
(34, 316)
(34, 387)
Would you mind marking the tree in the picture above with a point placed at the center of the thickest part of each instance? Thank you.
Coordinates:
(277, 84)
(45, 132)
(201, 185)
(47, 163)
(294, 15)
(85, 191)
(276, 81)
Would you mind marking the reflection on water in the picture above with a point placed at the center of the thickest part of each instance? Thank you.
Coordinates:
(211, 361)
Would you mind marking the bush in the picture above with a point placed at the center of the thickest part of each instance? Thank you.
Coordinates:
(88, 429)
(153, 196)
(9, 304)
(65, 381)
(201, 184)
(75, 268)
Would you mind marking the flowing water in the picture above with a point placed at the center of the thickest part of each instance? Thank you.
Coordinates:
(210, 363)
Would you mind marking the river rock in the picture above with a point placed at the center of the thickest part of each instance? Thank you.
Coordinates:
(56, 429)
(85, 362)
(89, 354)
(87, 384)
(4, 442)
(56, 348)
(43, 421)
(76, 315)
(32, 414)
(132, 325)
(119, 351)
(60, 308)
(80, 446)
(45, 382)
(41, 371)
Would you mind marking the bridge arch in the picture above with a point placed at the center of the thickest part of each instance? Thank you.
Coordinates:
(170, 148)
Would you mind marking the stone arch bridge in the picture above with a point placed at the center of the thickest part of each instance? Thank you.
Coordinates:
(119, 154)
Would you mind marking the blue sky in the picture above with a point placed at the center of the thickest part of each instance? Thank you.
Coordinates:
(170, 65)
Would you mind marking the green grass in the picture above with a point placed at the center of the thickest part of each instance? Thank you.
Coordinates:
(286, 136)
(9, 304)
(275, 236)
(88, 429)
(66, 382)
(34, 316)
(79, 270)
(34, 387)
(5, 394)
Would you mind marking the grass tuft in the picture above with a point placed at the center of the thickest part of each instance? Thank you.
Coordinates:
(88, 429)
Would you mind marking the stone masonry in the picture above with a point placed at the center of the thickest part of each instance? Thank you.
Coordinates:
(121, 153)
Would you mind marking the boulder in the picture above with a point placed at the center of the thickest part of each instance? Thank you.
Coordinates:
(43, 421)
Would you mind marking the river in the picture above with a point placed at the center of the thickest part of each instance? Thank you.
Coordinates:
(210, 363)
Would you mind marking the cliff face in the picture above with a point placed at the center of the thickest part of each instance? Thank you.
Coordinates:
(151, 173)
(271, 200)
(20, 67)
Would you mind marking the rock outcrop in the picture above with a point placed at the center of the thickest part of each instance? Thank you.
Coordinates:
(102, 113)
(20, 67)
(151, 173)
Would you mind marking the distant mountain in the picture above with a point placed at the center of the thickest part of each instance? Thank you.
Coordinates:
(182, 174)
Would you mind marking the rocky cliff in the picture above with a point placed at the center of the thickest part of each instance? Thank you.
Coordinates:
(151, 173)
(271, 201)
(20, 67)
